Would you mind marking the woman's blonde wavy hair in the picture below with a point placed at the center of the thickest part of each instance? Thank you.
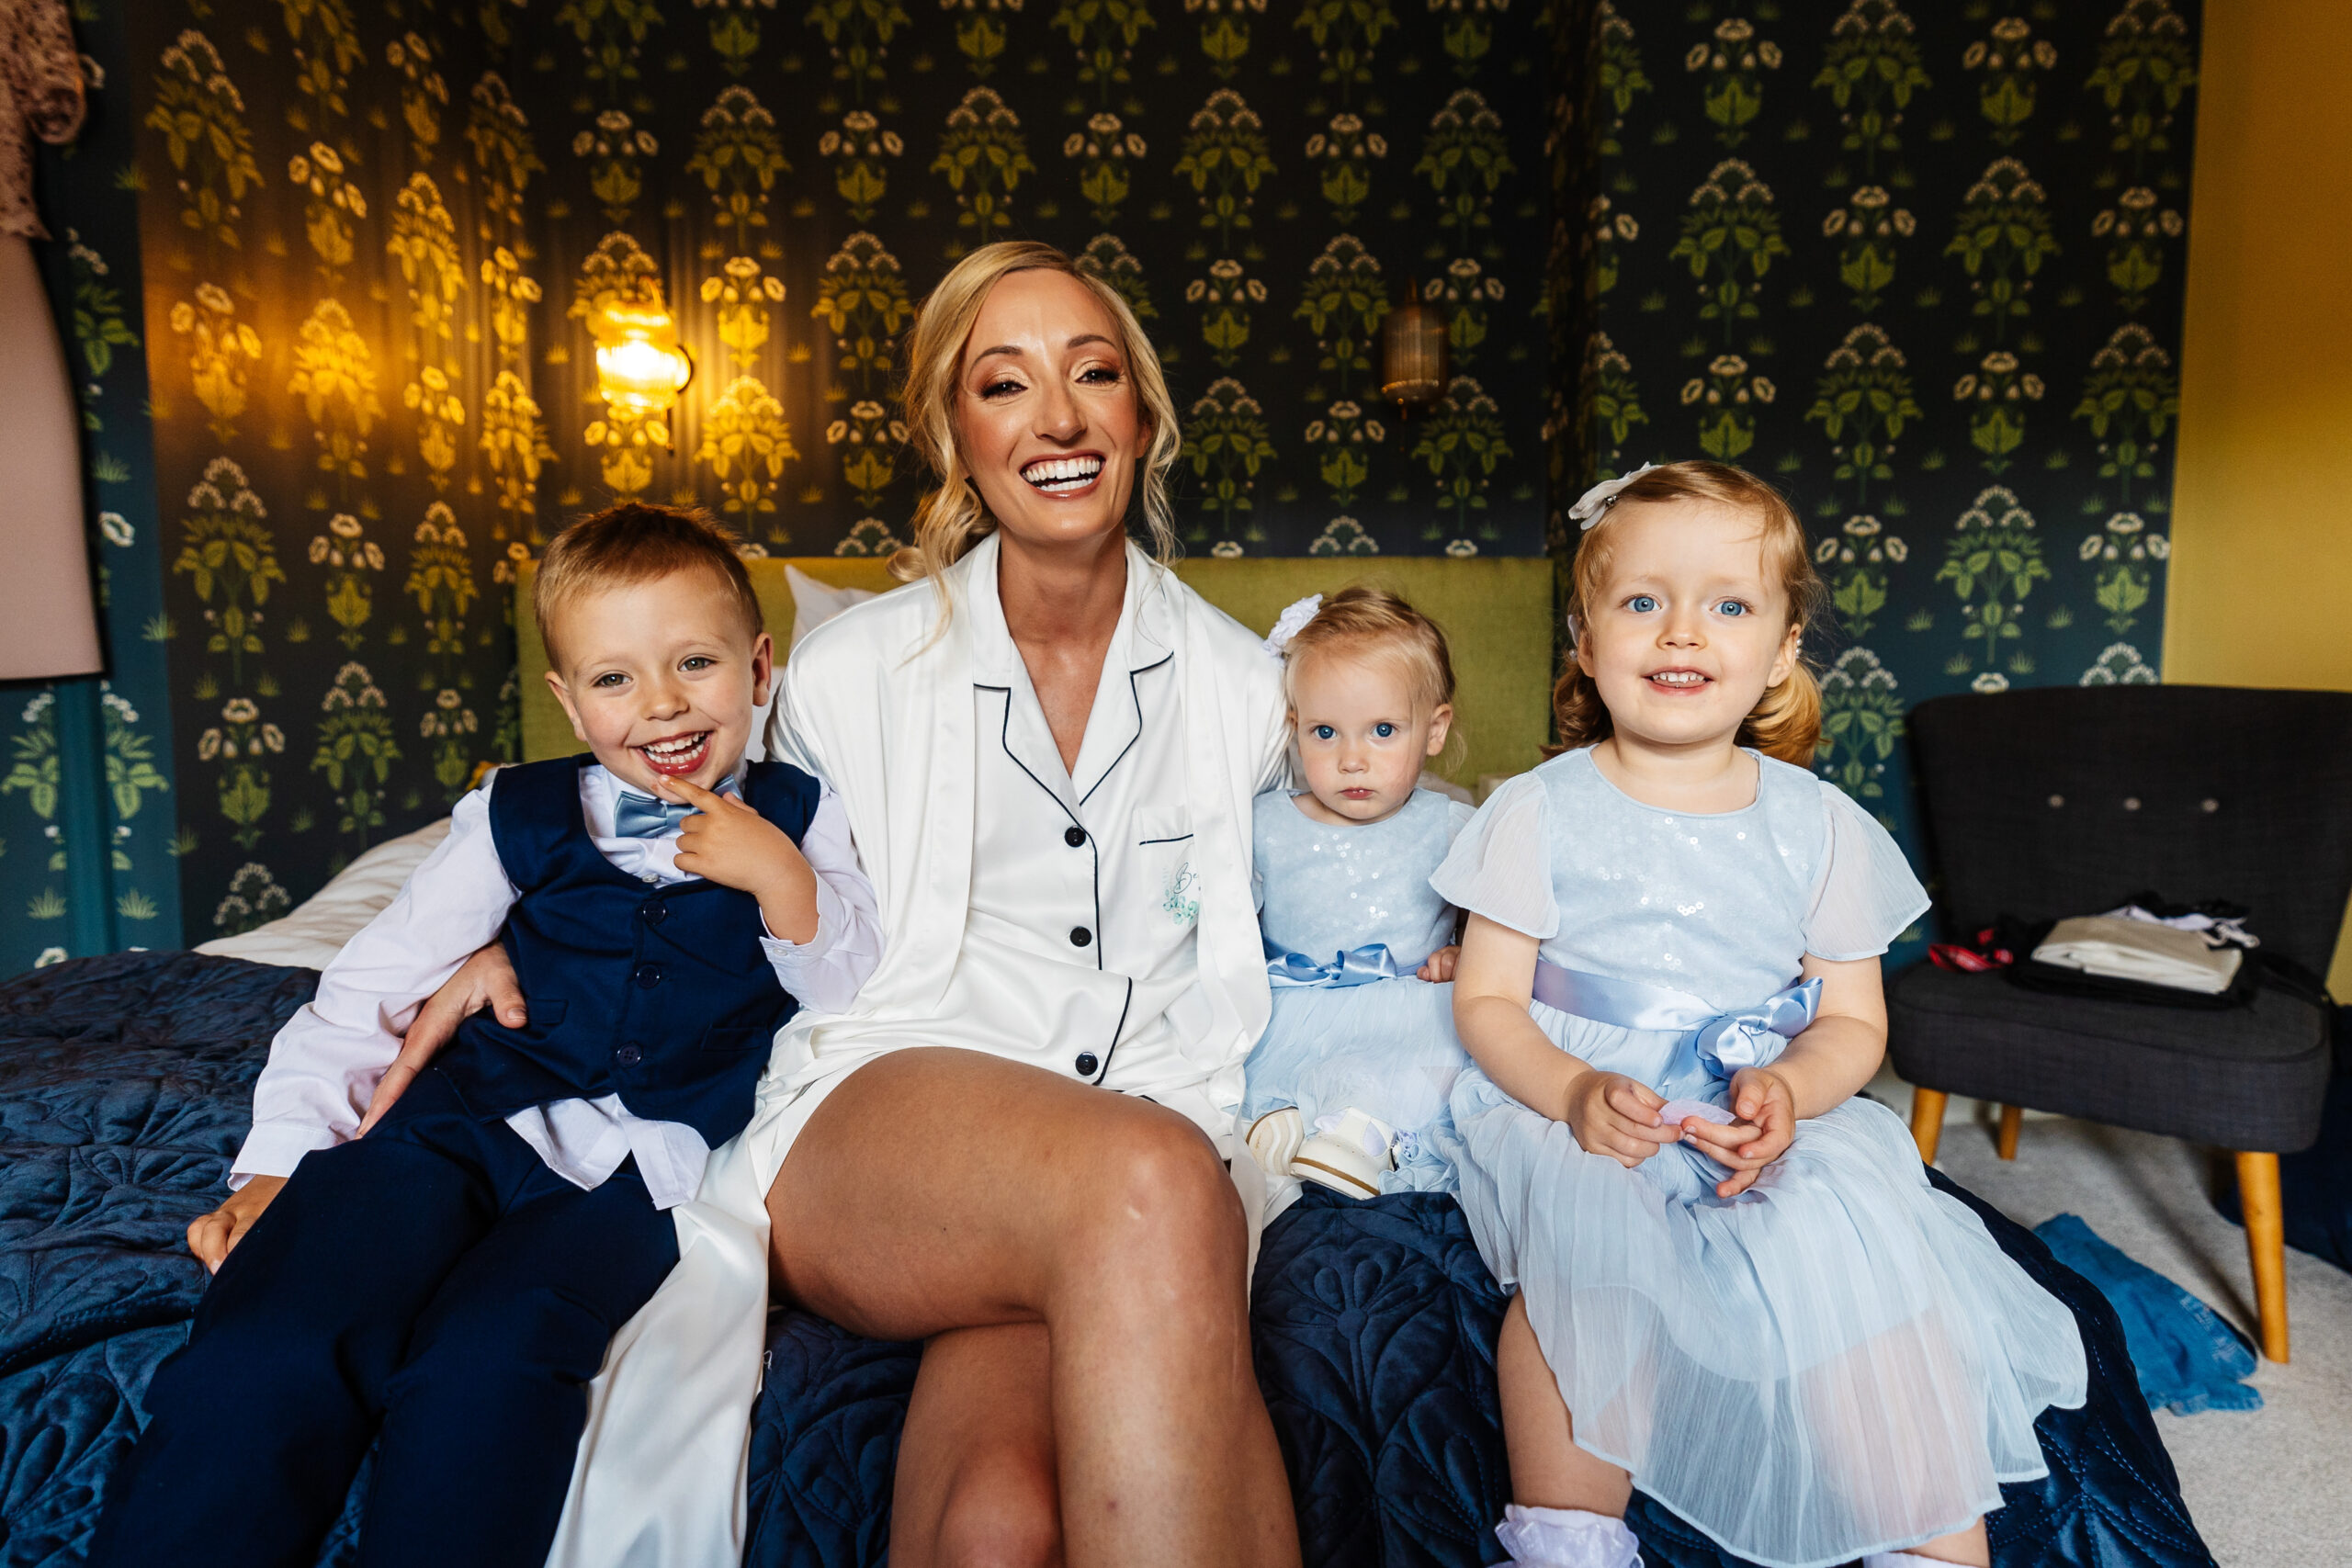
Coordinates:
(1786, 722)
(951, 519)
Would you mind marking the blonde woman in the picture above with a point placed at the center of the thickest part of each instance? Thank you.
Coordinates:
(1012, 1144)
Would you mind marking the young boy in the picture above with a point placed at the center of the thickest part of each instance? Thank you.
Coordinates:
(446, 1285)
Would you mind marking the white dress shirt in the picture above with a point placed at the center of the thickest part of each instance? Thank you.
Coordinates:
(326, 1064)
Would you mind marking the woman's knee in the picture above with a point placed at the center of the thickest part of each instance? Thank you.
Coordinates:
(1003, 1511)
(1164, 1193)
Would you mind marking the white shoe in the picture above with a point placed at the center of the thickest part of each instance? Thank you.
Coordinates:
(1274, 1138)
(1348, 1154)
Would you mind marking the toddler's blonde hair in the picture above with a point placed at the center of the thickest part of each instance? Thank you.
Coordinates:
(636, 541)
(1786, 722)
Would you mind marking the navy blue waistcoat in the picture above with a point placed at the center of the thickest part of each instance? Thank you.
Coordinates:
(659, 993)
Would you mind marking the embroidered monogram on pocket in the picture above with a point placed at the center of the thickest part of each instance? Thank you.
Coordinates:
(1164, 836)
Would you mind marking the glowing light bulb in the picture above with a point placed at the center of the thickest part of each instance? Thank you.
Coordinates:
(640, 376)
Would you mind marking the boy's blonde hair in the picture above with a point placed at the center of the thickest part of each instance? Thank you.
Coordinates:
(1786, 722)
(636, 542)
(950, 520)
(1372, 623)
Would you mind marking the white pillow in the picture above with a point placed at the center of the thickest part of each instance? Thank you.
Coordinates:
(813, 603)
(316, 930)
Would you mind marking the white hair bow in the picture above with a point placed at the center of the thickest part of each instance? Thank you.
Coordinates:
(1594, 504)
(1291, 622)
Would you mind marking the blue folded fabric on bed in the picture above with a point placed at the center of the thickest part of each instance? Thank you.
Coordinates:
(126, 1084)
(2188, 1359)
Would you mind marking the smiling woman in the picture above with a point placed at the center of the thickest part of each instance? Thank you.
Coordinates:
(1061, 394)
(1011, 1145)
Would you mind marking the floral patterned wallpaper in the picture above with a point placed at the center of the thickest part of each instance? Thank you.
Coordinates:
(1921, 266)
(379, 236)
(1922, 269)
(1261, 184)
(343, 333)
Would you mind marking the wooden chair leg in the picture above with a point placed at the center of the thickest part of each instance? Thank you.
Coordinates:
(2266, 1246)
(2011, 1116)
(1927, 1121)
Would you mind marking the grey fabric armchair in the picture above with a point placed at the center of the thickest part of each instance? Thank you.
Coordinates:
(2067, 801)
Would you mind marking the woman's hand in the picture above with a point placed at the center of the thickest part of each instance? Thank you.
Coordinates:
(211, 1238)
(485, 980)
(1438, 967)
(1766, 1110)
(1614, 1115)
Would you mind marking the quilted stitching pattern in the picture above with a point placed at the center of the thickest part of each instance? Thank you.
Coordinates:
(124, 1087)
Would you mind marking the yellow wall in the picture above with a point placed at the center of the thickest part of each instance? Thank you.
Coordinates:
(2261, 574)
(2260, 590)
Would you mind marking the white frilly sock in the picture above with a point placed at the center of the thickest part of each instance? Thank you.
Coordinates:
(1566, 1538)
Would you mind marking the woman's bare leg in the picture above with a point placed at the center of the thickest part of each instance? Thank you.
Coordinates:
(939, 1189)
(1547, 1469)
(977, 1486)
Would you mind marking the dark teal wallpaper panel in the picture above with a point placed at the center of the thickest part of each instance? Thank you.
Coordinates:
(87, 837)
(1262, 182)
(1922, 268)
(342, 328)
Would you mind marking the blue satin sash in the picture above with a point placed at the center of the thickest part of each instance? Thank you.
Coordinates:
(1724, 1042)
(1357, 966)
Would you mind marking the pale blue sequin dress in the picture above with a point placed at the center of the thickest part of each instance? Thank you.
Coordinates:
(1837, 1361)
(1386, 1047)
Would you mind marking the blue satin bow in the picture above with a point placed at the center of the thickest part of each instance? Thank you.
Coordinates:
(1358, 967)
(639, 815)
(1724, 1042)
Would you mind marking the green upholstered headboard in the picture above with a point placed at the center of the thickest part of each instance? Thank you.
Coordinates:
(1496, 610)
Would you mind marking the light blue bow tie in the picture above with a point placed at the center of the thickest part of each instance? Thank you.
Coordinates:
(639, 815)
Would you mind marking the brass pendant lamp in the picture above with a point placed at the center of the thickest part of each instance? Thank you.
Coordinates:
(1412, 353)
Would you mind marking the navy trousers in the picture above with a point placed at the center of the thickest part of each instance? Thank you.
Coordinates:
(432, 1284)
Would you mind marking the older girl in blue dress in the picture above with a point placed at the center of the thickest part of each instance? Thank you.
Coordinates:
(1736, 1290)
(1359, 1057)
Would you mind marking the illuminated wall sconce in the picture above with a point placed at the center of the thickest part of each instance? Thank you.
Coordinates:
(640, 365)
(1412, 353)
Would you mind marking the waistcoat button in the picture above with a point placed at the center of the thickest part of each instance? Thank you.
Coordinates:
(655, 912)
(649, 974)
(1086, 1063)
(1079, 936)
(1073, 836)
(629, 1055)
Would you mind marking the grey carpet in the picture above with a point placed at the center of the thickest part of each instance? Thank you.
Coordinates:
(2270, 1486)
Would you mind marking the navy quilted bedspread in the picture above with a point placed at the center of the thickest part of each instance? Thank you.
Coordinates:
(124, 1087)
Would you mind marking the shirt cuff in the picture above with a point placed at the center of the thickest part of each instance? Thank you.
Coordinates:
(275, 1148)
(831, 916)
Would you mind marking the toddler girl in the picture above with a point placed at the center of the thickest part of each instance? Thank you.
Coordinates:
(1736, 1289)
(1361, 1044)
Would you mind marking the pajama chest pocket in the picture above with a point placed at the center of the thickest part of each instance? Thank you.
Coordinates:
(1162, 837)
